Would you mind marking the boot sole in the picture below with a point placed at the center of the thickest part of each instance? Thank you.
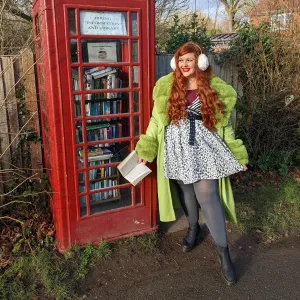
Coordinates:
(228, 283)
(197, 242)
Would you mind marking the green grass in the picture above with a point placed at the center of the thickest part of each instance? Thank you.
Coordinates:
(48, 273)
(144, 243)
(270, 210)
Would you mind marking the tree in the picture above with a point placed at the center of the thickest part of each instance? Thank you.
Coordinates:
(192, 30)
(15, 26)
(164, 12)
(232, 7)
(18, 8)
(166, 9)
(267, 64)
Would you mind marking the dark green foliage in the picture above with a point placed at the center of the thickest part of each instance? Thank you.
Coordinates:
(193, 30)
(268, 67)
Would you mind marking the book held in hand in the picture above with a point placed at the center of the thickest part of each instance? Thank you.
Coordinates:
(132, 170)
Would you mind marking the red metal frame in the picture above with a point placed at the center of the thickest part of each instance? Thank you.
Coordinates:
(59, 113)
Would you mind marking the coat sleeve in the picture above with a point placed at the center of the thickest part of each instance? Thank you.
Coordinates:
(236, 146)
(227, 95)
(147, 146)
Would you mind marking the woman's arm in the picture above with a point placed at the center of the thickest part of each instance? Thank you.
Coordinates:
(147, 145)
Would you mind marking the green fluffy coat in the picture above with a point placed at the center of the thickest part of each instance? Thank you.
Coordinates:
(151, 145)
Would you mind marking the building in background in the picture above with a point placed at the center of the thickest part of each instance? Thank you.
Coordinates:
(221, 41)
(280, 13)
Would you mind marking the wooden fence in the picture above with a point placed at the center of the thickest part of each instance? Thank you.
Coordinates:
(17, 81)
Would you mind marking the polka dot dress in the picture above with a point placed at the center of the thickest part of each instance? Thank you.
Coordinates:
(192, 152)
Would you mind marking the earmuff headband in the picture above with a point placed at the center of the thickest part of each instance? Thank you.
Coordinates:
(203, 62)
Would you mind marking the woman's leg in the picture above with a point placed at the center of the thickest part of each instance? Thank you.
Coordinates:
(188, 202)
(208, 197)
(207, 194)
(191, 209)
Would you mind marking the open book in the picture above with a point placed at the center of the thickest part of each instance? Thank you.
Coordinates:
(132, 170)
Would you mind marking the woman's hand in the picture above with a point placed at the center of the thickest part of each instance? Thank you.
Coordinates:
(142, 161)
(245, 168)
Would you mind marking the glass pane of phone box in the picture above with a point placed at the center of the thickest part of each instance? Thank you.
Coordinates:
(121, 198)
(105, 78)
(103, 51)
(102, 176)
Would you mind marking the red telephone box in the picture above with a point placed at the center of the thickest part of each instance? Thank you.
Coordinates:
(95, 67)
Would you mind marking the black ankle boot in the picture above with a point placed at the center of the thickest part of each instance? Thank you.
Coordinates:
(226, 265)
(192, 238)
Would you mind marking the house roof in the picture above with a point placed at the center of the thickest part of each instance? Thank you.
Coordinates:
(223, 37)
(264, 7)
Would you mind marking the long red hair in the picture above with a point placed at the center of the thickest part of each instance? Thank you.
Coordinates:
(209, 98)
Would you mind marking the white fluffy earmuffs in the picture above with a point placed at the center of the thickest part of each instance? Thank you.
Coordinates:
(203, 62)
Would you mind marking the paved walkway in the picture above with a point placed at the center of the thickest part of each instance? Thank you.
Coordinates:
(274, 274)
(263, 272)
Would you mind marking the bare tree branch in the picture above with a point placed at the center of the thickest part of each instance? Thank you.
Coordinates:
(10, 218)
(232, 7)
(17, 12)
(28, 178)
(14, 201)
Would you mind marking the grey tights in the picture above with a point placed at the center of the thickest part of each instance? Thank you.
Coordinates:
(206, 192)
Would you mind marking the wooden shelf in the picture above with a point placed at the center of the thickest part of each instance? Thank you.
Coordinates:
(105, 200)
(102, 201)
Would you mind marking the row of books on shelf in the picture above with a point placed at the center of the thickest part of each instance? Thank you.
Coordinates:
(103, 108)
(115, 193)
(95, 72)
(102, 173)
(105, 195)
(100, 72)
(103, 184)
(98, 132)
(99, 78)
(99, 173)
(100, 108)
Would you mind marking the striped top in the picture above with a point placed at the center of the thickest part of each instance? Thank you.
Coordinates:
(194, 107)
(193, 111)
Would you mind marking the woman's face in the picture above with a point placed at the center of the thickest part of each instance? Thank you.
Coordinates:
(187, 64)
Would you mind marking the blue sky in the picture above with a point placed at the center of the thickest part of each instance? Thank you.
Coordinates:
(209, 7)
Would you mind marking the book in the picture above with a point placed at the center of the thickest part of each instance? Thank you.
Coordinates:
(92, 151)
(96, 154)
(104, 72)
(112, 84)
(132, 170)
(93, 70)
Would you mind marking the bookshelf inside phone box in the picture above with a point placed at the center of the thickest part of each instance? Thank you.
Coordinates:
(95, 84)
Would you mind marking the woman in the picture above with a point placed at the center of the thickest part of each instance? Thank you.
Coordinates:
(190, 120)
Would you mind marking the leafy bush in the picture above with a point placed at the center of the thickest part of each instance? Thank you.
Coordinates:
(268, 116)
